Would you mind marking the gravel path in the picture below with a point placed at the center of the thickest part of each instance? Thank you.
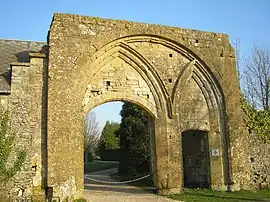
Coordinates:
(96, 192)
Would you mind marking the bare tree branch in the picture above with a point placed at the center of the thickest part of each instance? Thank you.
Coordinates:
(91, 133)
(257, 77)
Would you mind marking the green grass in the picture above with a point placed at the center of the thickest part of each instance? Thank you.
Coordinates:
(99, 165)
(191, 195)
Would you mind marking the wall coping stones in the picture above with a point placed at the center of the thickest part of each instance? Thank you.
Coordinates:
(37, 55)
(91, 19)
(25, 64)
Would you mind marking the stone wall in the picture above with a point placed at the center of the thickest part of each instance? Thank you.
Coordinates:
(185, 78)
(25, 104)
(118, 76)
(260, 162)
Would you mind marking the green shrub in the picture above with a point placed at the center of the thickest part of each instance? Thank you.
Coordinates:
(257, 121)
(6, 144)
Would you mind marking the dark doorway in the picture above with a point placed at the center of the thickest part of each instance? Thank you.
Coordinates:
(196, 161)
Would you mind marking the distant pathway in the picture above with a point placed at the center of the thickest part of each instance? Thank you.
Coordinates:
(96, 192)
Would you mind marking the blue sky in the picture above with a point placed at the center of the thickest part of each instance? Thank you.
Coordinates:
(246, 20)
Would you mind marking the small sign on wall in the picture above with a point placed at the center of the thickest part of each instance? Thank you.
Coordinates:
(215, 152)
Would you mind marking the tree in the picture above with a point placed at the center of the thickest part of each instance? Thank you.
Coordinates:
(91, 136)
(109, 139)
(257, 78)
(134, 140)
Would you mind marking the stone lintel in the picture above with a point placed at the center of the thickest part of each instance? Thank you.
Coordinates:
(5, 92)
(37, 55)
(25, 64)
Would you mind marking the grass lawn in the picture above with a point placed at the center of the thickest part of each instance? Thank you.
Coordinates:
(191, 195)
(99, 165)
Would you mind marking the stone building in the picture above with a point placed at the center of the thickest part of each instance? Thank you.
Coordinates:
(186, 79)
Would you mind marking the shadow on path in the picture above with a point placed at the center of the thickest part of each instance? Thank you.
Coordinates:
(105, 175)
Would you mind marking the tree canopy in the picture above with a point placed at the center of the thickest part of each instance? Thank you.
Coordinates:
(255, 85)
(134, 140)
(109, 138)
(257, 121)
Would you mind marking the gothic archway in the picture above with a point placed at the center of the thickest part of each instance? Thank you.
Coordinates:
(123, 69)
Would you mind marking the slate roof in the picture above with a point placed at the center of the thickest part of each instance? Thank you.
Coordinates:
(14, 51)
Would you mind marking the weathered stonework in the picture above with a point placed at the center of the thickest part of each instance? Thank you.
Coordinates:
(185, 79)
(25, 105)
(260, 162)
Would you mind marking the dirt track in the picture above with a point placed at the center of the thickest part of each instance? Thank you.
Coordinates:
(97, 192)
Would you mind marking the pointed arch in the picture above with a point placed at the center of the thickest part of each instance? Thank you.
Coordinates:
(163, 100)
(139, 63)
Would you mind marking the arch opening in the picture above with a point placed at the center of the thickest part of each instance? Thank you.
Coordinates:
(124, 137)
(118, 97)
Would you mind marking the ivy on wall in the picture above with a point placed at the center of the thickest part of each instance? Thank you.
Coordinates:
(257, 121)
(7, 138)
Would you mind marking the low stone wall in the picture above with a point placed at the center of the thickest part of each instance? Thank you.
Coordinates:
(259, 159)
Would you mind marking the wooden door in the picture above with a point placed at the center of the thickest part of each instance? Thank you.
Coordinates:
(196, 161)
